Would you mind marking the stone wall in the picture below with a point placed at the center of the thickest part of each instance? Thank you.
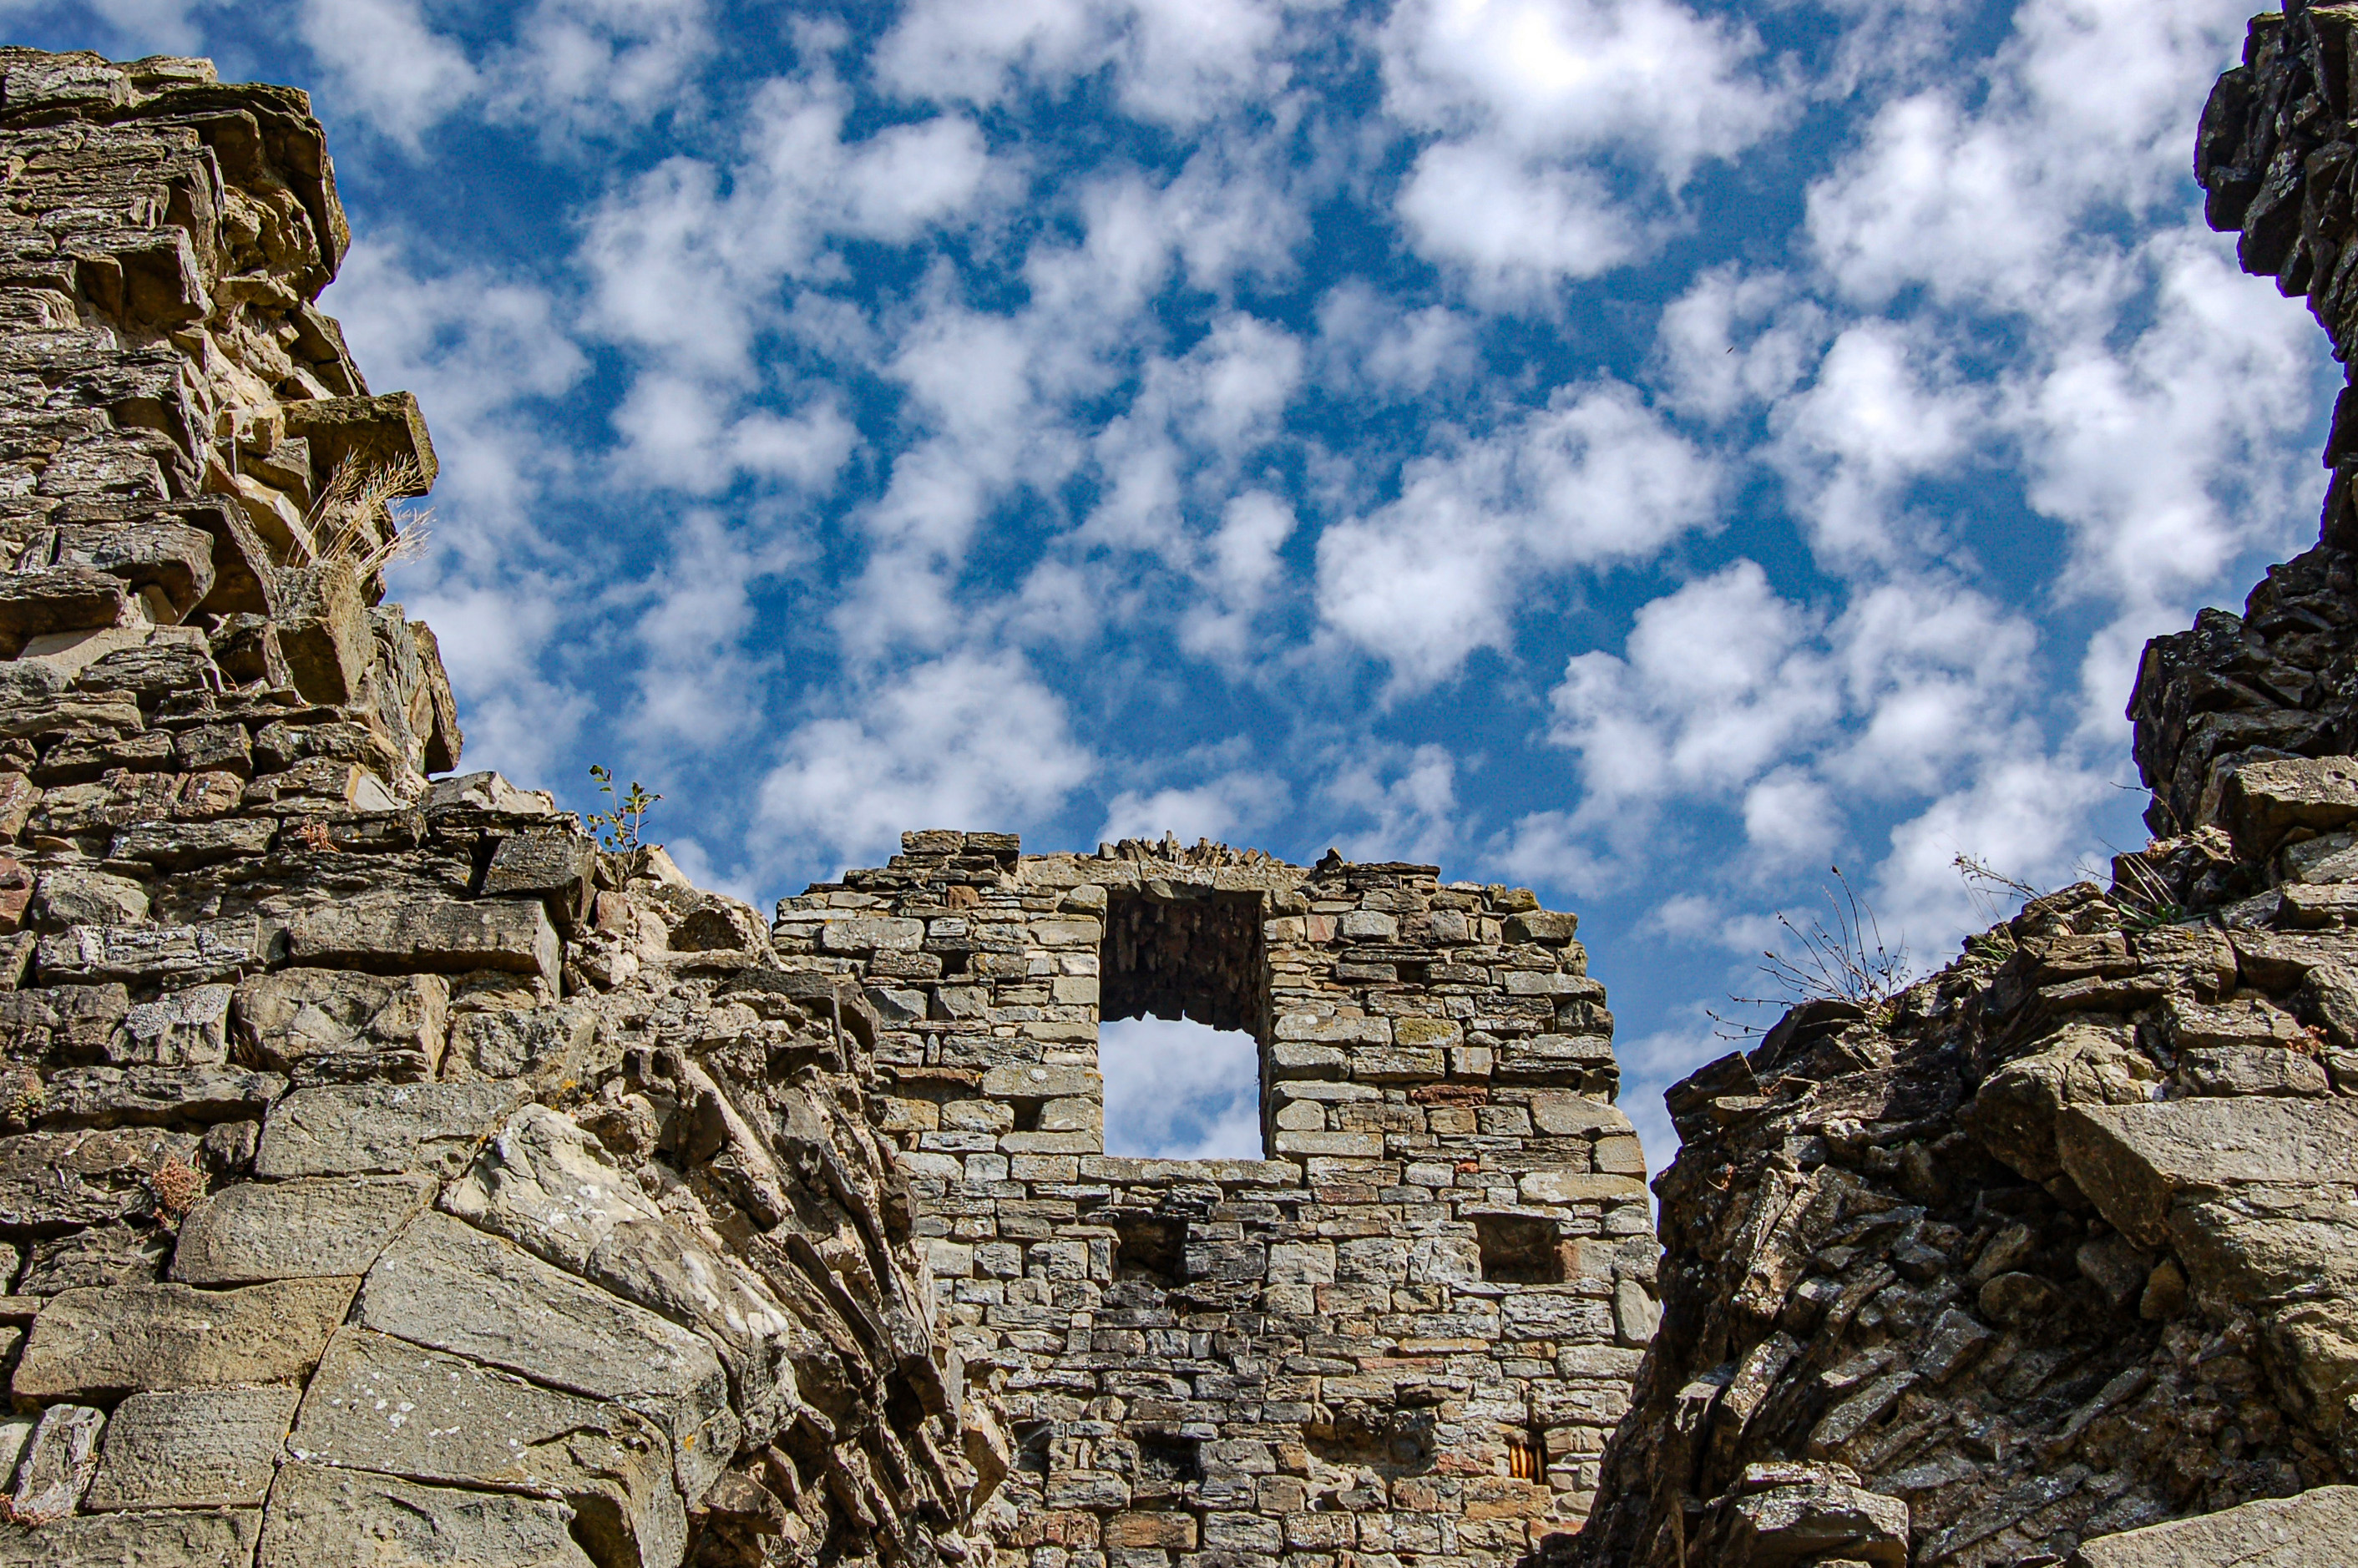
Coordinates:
(388, 1173)
(1400, 1337)
(2053, 1254)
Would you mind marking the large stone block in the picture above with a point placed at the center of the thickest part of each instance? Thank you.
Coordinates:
(181, 1538)
(444, 935)
(547, 1186)
(87, 1176)
(179, 1029)
(319, 1515)
(2315, 1528)
(450, 1287)
(2134, 1160)
(528, 1043)
(175, 954)
(192, 1448)
(295, 1018)
(100, 1343)
(384, 1404)
(299, 1229)
(381, 1129)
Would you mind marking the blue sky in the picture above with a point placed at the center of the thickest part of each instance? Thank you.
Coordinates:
(1648, 452)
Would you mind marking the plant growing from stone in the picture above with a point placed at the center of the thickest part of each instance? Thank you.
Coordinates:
(618, 829)
(351, 518)
(1846, 961)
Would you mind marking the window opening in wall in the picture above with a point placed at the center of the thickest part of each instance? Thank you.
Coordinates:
(1149, 1246)
(1177, 1090)
(1519, 1249)
(1181, 988)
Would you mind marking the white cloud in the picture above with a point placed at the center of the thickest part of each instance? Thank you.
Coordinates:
(1735, 340)
(1648, 80)
(1219, 809)
(478, 347)
(1405, 798)
(2025, 815)
(1722, 679)
(1531, 98)
(1882, 413)
(1366, 339)
(1593, 479)
(580, 65)
(1179, 1091)
(1174, 62)
(1515, 228)
(385, 63)
(966, 740)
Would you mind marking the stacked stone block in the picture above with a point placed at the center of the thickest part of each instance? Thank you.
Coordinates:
(387, 1173)
(1400, 1337)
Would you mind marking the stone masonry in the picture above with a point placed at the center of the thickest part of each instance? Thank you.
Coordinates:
(389, 1174)
(1400, 1339)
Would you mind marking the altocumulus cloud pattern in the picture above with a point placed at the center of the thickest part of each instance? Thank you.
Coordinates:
(1651, 451)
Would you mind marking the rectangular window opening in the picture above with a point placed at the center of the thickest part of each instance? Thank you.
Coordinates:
(1519, 1249)
(1181, 995)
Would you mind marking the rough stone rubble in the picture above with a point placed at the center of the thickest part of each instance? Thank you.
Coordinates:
(388, 1173)
(2059, 1245)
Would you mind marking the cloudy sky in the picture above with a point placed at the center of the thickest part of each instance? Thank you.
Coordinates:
(1650, 451)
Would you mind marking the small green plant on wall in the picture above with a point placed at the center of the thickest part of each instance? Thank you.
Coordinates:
(618, 829)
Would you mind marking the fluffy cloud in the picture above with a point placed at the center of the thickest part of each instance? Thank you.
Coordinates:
(1592, 479)
(1534, 102)
(1180, 1091)
(966, 740)
(387, 64)
(1172, 61)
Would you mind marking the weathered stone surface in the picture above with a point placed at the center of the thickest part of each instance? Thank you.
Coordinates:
(381, 1129)
(60, 1460)
(443, 936)
(319, 1515)
(543, 1184)
(540, 1043)
(181, 1029)
(388, 1027)
(164, 1094)
(204, 1448)
(86, 1176)
(380, 1403)
(2134, 1161)
(98, 1343)
(449, 1287)
(185, 955)
(312, 1227)
(2317, 1527)
(181, 1538)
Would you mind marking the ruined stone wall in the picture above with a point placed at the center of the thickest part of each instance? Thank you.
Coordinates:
(387, 1174)
(1400, 1338)
(2058, 1244)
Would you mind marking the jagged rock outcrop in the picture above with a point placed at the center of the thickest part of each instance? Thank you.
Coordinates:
(2057, 1245)
(387, 1173)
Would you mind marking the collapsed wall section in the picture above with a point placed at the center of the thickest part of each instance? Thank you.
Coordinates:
(1402, 1333)
(386, 1172)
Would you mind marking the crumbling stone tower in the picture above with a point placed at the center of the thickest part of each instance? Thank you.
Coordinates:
(387, 1175)
(1407, 1331)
